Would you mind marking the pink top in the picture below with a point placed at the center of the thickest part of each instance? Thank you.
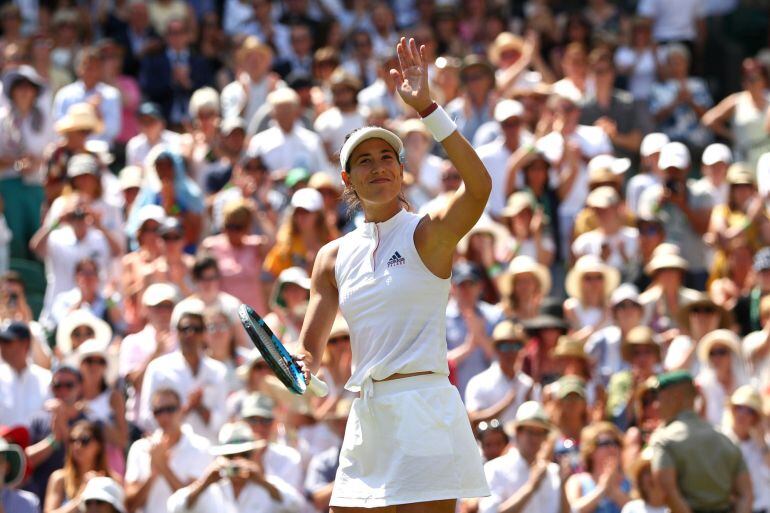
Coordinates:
(240, 268)
(131, 96)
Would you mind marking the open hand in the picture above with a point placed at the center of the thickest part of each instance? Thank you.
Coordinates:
(412, 78)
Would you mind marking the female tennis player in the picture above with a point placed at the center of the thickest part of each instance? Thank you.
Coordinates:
(408, 444)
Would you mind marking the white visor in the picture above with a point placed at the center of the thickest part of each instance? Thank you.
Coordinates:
(366, 133)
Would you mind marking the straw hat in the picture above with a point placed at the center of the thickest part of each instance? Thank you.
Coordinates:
(747, 395)
(339, 328)
(666, 256)
(102, 330)
(740, 174)
(606, 168)
(525, 264)
(504, 41)
(591, 264)
(638, 336)
(724, 337)
(412, 125)
(517, 202)
(508, 330)
(80, 116)
(603, 197)
(683, 315)
(103, 489)
(531, 414)
(568, 347)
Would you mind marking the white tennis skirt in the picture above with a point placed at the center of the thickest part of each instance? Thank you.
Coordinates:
(408, 440)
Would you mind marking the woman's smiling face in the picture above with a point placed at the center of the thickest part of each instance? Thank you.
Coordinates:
(376, 173)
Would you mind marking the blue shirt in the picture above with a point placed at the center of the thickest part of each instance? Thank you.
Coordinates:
(110, 106)
(456, 331)
(19, 501)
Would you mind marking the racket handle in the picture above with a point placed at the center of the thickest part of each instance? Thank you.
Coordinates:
(317, 387)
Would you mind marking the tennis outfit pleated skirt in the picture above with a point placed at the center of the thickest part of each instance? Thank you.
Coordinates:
(408, 440)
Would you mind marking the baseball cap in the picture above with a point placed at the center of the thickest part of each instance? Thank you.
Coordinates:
(130, 177)
(609, 163)
(669, 379)
(762, 259)
(465, 271)
(227, 126)
(308, 199)
(150, 109)
(236, 438)
(532, 413)
(674, 154)
(82, 164)
(652, 143)
(364, 134)
(283, 95)
(158, 293)
(603, 197)
(506, 109)
(103, 489)
(625, 292)
(296, 175)
(16, 330)
(716, 152)
(567, 385)
(257, 405)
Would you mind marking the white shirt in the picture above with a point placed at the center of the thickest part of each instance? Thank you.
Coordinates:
(110, 106)
(760, 473)
(63, 253)
(395, 307)
(673, 21)
(639, 506)
(219, 498)
(510, 472)
(238, 103)
(593, 242)
(333, 125)
(495, 157)
(172, 371)
(636, 186)
(489, 387)
(285, 463)
(22, 395)
(282, 151)
(429, 174)
(187, 459)
(760, 370)
(138, 147)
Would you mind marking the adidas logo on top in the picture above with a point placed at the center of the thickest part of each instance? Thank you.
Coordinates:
(396, 259)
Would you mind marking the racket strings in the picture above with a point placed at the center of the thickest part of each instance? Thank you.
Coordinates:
(268, 344)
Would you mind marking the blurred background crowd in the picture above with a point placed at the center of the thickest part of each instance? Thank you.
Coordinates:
(163, 161)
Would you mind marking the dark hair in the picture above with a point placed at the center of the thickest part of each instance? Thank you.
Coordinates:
(85, 262)
(14, 277)
(350, 197)
(202, 263)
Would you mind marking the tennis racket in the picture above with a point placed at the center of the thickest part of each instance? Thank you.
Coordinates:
(276, 355)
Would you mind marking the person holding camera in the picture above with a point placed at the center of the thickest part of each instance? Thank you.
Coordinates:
(235, 482)
(684, 210)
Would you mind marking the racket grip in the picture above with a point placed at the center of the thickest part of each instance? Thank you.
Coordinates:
(317, 387)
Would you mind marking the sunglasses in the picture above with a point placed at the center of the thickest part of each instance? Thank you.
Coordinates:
(95, 361)
(720, 351)
(337, 340)
(190, 329)
(609, 442)
(703, 310)
(509, 346)
(82, 440)
(172, 236)
(165, 410)
(82, 333)
(68, 385)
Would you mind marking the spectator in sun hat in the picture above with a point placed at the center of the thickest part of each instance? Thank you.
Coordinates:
(287, 144)
(604, 171)
(235, 466)
(722, 371)
(573, 361)
(524, 476)
(498, 391)
(77, 327)
(152, 132)
(170, 454)
(649, 172)
(23, 385)
(543, 332)
(102, 495)
(288, 303)
(695, 319)
(589, 284)
(470, 321)
(667, 268)
(495, 154)
(744, 425)
(684, 210)
(532, 235)
(12, 466)
(523, 287)
(604, 346)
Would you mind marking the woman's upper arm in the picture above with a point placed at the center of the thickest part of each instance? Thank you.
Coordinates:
(322, 308)
(572, 488)
(53, 492)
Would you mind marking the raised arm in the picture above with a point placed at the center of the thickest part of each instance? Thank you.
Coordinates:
(437, 237)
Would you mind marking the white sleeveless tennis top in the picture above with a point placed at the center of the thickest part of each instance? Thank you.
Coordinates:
(395, 307)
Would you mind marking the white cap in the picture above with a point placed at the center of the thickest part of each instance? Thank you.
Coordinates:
(130, 176)
(151, 213)
(283, 95)
(716, 152)
(625, 292)
(364, 134)
(189, 306)
(236, 438)
(82, 164)
(603, 197)
(307, 198)
(506, 109)
(652, 143)
(295, 275)
(674, 154)
(614, 165)
(232, 123)
(104, 489)
(157, 293)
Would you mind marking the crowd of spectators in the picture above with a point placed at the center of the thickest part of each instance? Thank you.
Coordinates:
(163, 161)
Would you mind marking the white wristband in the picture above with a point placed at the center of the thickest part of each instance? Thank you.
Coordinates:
(440, 124)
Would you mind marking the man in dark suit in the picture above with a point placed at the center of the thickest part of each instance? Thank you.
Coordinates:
(170, 76)
(134, 33)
